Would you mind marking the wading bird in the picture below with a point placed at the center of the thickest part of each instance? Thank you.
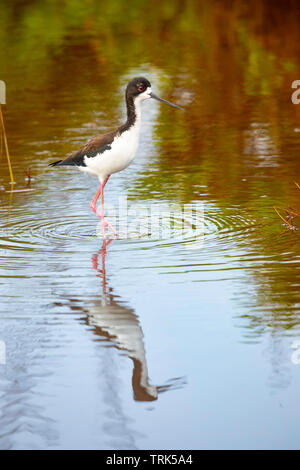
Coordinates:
(114, 151)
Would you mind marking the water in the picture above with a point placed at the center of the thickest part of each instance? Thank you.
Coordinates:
(170, 341)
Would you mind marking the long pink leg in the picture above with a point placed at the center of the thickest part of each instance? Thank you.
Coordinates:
(94, 203)
(111, 228)
(101, 215)
(102, 210)
(93, 207)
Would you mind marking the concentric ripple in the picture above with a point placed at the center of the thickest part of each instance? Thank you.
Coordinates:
(20, 232)
(193, 226)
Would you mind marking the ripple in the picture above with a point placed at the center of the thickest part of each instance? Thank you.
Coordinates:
(157, 224)
(20, 232)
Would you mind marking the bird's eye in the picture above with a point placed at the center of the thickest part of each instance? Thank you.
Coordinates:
(141, 88)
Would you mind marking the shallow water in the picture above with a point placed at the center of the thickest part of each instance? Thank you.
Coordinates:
(171, 339)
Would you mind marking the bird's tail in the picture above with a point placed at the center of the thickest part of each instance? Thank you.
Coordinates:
(55, 163)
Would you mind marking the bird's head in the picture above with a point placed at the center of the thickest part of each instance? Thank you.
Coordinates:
(139, 89)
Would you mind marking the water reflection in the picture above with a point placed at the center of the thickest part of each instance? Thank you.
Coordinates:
(118, 323)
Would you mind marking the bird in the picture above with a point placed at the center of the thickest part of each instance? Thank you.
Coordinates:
(114, 151)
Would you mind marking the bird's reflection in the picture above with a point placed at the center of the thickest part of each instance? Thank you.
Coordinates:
(118, 323)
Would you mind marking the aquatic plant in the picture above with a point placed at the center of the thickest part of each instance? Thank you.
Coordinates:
(4, 140)
(290, 214)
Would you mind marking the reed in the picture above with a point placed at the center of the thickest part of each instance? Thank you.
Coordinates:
(290, 214)
(4, 140)
(1, 144)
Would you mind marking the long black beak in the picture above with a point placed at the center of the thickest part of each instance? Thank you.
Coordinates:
(164, 101)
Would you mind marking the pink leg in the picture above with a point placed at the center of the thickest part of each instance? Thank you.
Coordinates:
(102, 210)
(101, 215)
(94, 201)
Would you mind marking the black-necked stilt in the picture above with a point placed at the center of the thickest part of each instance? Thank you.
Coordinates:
(114, 151)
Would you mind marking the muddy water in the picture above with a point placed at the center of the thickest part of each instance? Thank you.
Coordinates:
(182, 338)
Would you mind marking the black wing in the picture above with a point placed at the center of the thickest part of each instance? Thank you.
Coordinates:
(91, 149)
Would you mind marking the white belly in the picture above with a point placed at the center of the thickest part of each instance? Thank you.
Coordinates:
(121, 154)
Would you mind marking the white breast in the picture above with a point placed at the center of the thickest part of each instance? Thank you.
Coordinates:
(121, 154)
